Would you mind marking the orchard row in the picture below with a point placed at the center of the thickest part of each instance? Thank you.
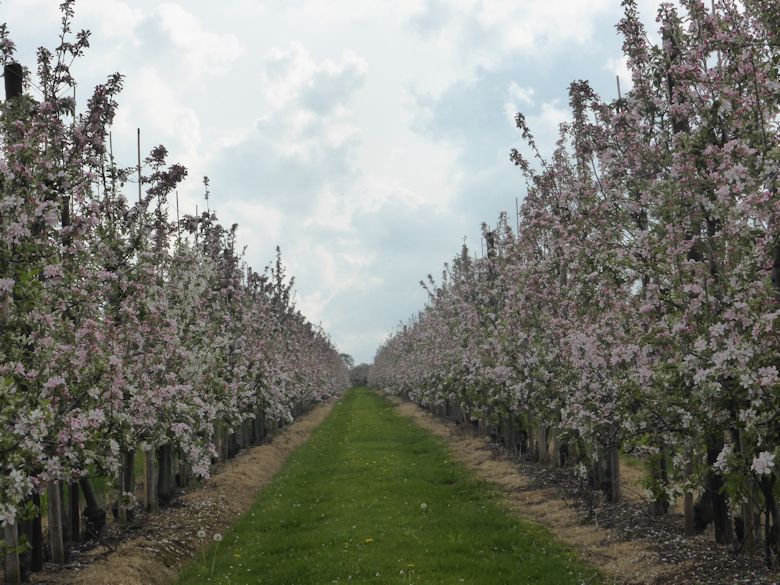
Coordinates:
(634, 306)
(121, 329)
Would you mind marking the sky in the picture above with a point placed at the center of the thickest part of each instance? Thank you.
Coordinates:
(368, 139)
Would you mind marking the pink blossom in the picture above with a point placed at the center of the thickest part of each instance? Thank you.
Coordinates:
(52, 271)
(7, 285)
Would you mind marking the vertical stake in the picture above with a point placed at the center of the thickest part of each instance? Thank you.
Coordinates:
(178, 226)
(150, 499)
(138, 144)
(74, 506)
(55, 523)
(13, 570)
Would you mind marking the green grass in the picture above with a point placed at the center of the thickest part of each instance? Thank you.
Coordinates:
(373, 498)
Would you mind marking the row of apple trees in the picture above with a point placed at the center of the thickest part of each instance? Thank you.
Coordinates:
(122, 331)
(635, 306)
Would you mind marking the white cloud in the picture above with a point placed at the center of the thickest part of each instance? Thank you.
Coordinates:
(619, 67)
(111, 19)
(518, 98)
(483, 31)
(320, 148)
(292, 74)
(201, 50)
(545, 126)
(155, 107)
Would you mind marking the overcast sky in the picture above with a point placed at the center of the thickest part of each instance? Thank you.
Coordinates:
(366, 138)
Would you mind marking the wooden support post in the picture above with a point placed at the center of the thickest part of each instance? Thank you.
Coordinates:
(13, 571)
(26, 537)
(74, 511)
(184, 470)
(150, 496)
(218, 440)
(165, 477)
(55, 523)
(532, 435)
(233, 444)
(541, 442)
(65, 519)
(225, 443)
(36, 562)
(140, 181)
(257, 429)
(749, 540)
(614, 474)
(690, 526)
(126, 484)
(714, 483)
(555, 447)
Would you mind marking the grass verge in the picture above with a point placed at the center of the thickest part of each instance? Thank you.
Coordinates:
(373, 498)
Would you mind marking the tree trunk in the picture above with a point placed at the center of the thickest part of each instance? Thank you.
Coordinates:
(772, 528)
(658, 473)
(94, 513)
(720, 508)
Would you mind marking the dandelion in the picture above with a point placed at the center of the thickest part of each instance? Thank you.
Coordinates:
(217, 538)
(201, 535)
(423, 506)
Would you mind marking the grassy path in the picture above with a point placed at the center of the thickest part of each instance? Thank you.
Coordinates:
(372, 498)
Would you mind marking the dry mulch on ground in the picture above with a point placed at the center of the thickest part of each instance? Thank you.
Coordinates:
(152, 552)
(623, 540)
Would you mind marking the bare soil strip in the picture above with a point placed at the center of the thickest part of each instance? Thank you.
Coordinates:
(629, 562)
(168, 539)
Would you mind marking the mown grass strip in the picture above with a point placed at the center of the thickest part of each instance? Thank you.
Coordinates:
(373, 498)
